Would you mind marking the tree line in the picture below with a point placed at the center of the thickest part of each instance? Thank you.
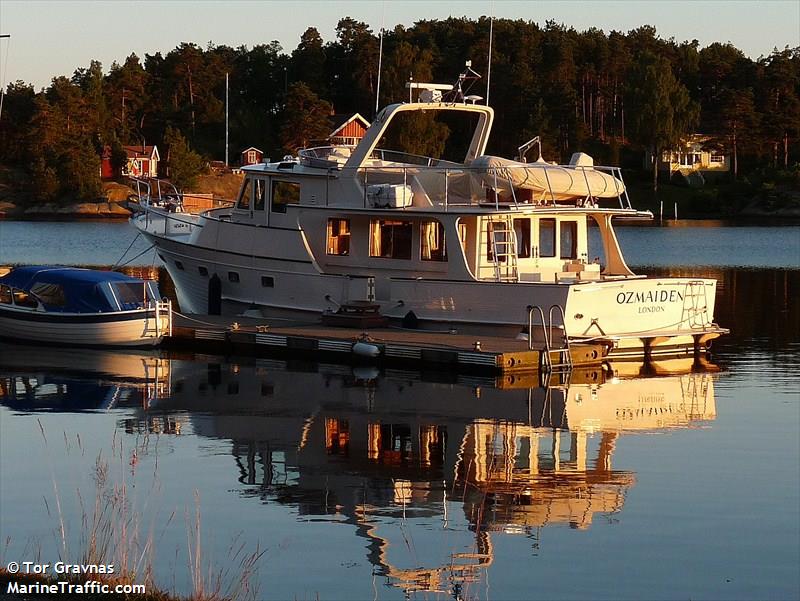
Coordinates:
(613, 95)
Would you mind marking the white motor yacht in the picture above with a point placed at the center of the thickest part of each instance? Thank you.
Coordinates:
(478, 243)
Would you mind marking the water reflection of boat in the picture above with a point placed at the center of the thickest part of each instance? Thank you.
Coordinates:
(391, 456)
(52, 378)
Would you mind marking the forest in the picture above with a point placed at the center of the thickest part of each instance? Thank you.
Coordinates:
(613, 95)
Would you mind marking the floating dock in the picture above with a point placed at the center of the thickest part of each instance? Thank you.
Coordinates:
(384, 345)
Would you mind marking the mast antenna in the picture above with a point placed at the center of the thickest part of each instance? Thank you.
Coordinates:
(489, 67)
(3, 72)
(380, 59)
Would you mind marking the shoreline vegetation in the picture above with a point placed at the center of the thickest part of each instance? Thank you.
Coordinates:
(740, 201)
(15, 204)
(633, 99)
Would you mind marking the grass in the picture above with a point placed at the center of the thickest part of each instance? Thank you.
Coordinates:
(112, 530)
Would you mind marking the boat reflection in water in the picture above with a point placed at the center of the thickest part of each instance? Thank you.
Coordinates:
(43, 378)
(447, 462)
(393, 454)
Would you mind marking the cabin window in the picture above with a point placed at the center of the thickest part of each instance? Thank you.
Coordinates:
(23, 299)
(5, 295)
(547, 237)
(569, 239)
(284, 193)
(390, 239)
(522, 230)
(260, 199)
(338, 237)
(203, 271)
(267, 281)
(432, 242)
(50, 294)
(462, 235)
(233, 276)
(244, 197)
(132, 295)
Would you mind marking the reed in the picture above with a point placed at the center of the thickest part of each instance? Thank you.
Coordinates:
(113, 529)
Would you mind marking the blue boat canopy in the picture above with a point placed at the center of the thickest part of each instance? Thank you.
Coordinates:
(75, 290)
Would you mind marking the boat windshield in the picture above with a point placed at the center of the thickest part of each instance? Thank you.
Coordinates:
(428, 137)
(133, 295)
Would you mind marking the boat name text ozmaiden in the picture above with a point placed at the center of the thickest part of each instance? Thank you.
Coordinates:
(650, 296)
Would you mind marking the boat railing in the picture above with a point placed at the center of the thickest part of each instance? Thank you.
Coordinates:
(507, 186)
(163, 195)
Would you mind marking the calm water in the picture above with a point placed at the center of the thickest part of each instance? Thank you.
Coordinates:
(679, 480)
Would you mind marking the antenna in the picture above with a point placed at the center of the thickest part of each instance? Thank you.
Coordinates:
(380, 60)
(226, 119)
(3, 73)
(458, 91)
(489, 67)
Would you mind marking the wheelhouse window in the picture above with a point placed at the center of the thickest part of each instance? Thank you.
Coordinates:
(50, 294)
(132, 295)
(390, 239)
(522, 231)
(5, 295)
(338, 236)
(23, 299)
(260, 199)
(432, 242)
(569, 239)
(244, 198)
(547, 237)
(284, 193)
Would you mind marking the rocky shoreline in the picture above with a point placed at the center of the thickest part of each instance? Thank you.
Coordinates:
(81, 210)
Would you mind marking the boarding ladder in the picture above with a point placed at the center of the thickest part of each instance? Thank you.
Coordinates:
(695, 305)
(153, 328)
(561, 350)
(503, 240)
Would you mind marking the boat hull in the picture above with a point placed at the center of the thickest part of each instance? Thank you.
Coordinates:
(635, 316)
(122, 329)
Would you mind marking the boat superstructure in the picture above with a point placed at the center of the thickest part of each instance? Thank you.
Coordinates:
(463, 241)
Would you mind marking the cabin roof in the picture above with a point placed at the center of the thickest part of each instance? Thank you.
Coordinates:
(24, 277)
(79, 288)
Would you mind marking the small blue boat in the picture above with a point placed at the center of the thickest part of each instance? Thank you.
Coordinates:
(69, 305)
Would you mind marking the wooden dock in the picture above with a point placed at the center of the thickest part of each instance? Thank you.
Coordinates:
(388, 346)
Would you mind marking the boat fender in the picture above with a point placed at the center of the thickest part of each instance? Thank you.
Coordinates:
(364, 349)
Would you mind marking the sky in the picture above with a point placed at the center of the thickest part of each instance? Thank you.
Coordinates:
(54, 38)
